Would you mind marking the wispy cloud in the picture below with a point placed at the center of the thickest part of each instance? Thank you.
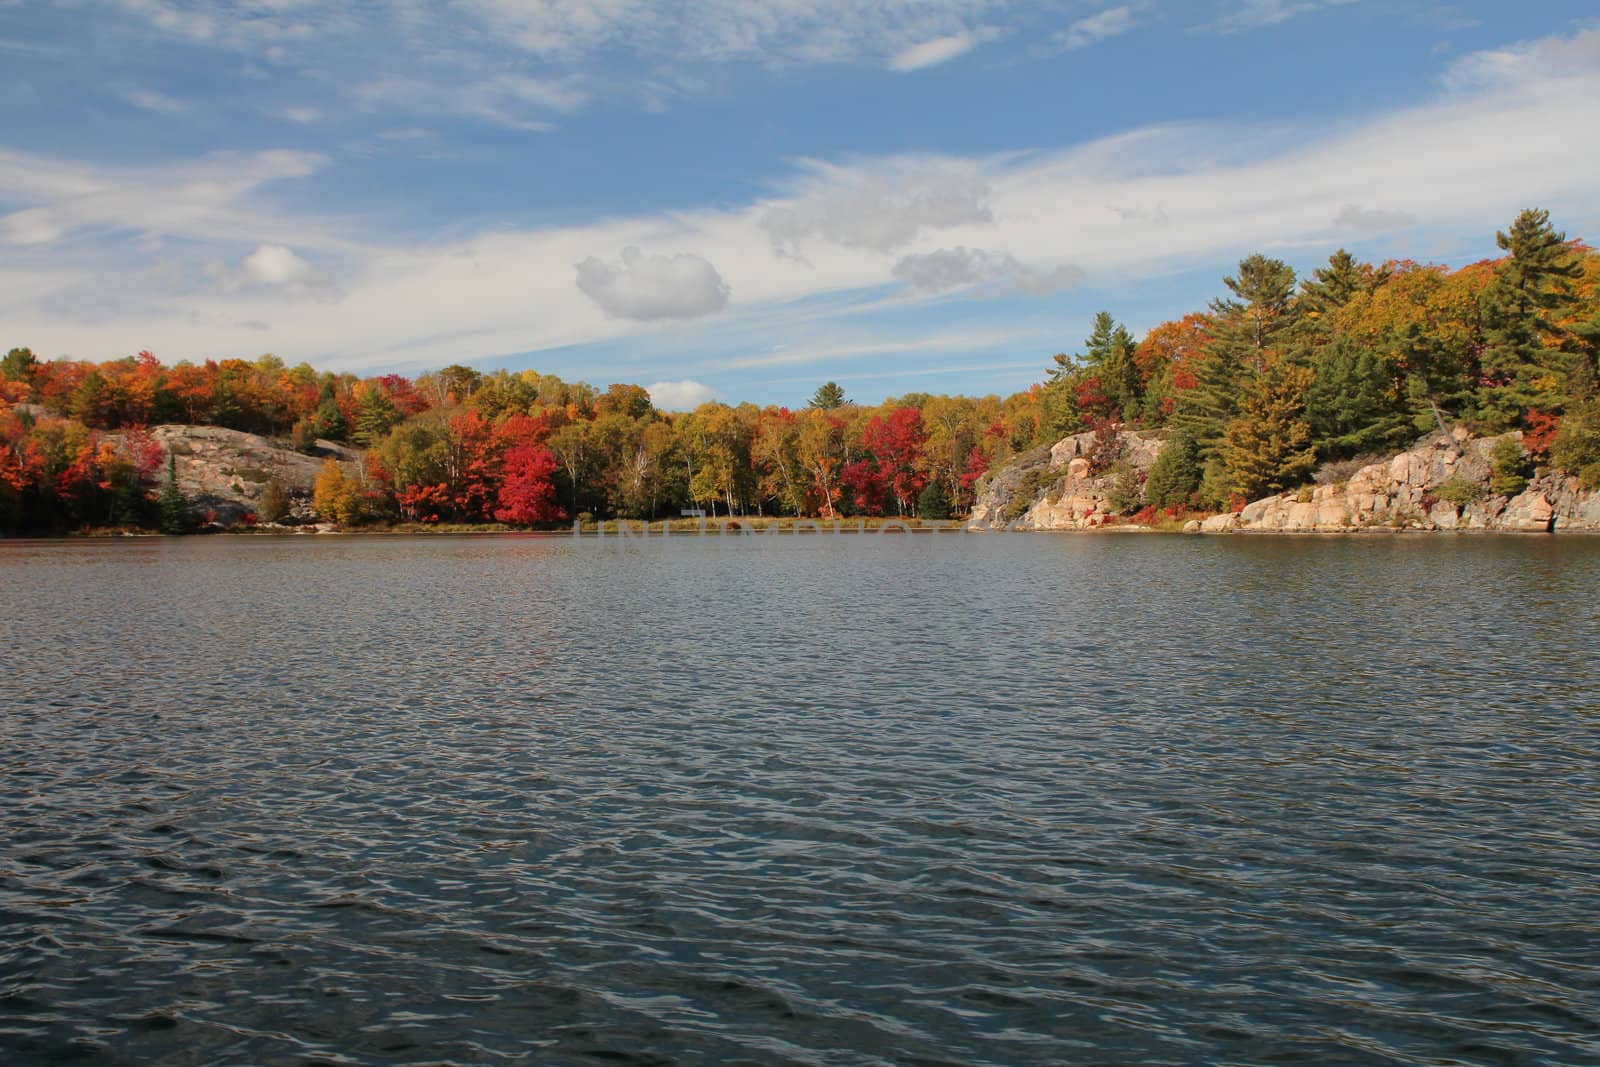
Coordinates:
(1112, 22)
(116, 239)
(1254, 14)
(939, 50)
(150, 100)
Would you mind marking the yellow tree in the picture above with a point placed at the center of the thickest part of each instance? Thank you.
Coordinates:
(1267, 446)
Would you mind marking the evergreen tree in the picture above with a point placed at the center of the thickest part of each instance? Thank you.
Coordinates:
(19, 365)
(1175, 474)
(328, 421)
(1267, 447)
(1355, 402)
(1109, 357)
(1248, 328)
(174, 509)
(1530, 286)
(829, 395)
(934, 501)
(375, 415)
(1576, 449)
(1332, 287)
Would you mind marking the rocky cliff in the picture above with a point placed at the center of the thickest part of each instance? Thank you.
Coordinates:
(1441, 483)
(1067, 486)
(224, 471)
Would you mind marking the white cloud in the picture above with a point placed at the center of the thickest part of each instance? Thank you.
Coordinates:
(878, 210)
(679, 396)
(1111, 22)
(1254, 14)
(938, 50)
(195, 199)
(959, 267)
(1355, 217)
(1224, 190)
(1530, 61)
(276, 265)
(302, 116)
(645, 288)
(513, 101)
(162, 104)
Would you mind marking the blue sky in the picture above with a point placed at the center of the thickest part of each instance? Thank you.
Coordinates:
(741, 199)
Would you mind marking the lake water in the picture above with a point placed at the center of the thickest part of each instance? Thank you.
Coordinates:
(873, 799)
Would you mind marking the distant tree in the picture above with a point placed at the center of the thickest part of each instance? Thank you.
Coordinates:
(274, 503)
(375, 415)
(1247, 330)
(934, 501)
(1175, 474)
(1523, 363)
(174, 508)
(829, 395)
(1510, 467)
(19, 365)
(328, 421)
(527, 494)
(1267, 446)
(1355, 402)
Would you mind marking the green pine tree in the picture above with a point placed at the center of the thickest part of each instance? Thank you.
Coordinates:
(1533, 284)
(174, 508)
(328, 421)
(829, 395)
(1356, 401)
(934, 501)
(1175, 474)
(375, 415)
(1248, 329)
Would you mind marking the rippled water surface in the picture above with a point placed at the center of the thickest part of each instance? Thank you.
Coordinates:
(822, 799)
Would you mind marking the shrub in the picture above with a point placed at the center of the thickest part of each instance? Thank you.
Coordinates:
(1105, 448)
(274, 503)
(1510, 468)
(1126, 494)
(1029, 488)
(1460, 491)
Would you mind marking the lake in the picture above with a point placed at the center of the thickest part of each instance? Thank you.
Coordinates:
(859, 799)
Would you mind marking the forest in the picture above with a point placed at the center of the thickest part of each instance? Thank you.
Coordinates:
(1275, 377)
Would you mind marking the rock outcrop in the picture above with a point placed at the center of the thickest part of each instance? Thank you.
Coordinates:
(223, 472)
(1058, 488)
(1441, 483)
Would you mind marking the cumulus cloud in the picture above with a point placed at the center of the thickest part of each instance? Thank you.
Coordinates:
(1111, 22)
(938, 50)
(1355, 217)
(878, 212)
(955, 268)
(679, 396)
(646, 288)
(276, 265)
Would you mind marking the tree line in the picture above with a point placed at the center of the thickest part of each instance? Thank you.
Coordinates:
(1275, 376)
